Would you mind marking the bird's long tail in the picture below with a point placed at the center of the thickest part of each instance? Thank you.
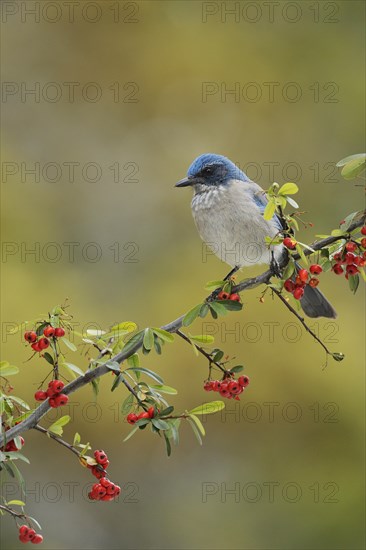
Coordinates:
(315, 304)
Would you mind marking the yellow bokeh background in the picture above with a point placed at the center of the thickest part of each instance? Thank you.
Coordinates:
(292, 451)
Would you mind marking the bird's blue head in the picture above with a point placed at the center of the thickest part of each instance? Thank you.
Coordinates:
(211, 170)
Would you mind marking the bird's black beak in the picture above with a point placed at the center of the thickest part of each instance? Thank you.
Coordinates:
(185, 182)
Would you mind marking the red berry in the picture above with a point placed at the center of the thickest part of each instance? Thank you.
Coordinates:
(350, 246)
(234, 297)
(105, 482)
(52, 402)
(35, 346)
(215, 385)
(97, 472)
(143, 415)
(61, 399)
(350, 258)
(298, 293)
(225, 393)
(132, 418)
(235, 387)
(338, 269)
(289, 243)
(29, 535)
(56, 386)
(303, 275)
(100, 456)
(352, 270)
(43, 343)
(59, 332)
(313, 282)
(289, 285)
(243, 381)
(40, 395)
(23, 530)
(223, 295)
(151, 412)
(107, 497)
(363, 243)
(37, 539)
(315, 269)
(49, 331)
(363, 230)
(30, 336)
(207, 386)
(337, 257)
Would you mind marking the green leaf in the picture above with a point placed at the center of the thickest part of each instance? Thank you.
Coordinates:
(95, 332)
(48, 358)
(198, 423)
(117, 381)
(7, 370)
(269, 210)
(113, 366)
(163, 334)
(217, 355)
(164, 389)
(73, 368)
(218, 308)
(348, 221)
(290, 268)
(69, 344)
(148, 372)
(160, 424)
(300, 252)
(212, 285)
(232, 305)
(202, 339)
(204, 310)
(15, 503)
(57, 426)
(148, 340)
(127, 404)
(16, 455)
(353, 281)
(77, 439)
(134, 341)
(168, 445)
(338, 356)
(353, 168)
(19, 401)
(288, 189)
(344, 161)
(195, 430)
(208, 408)
(124, 327)
(167, 411)
(133, 360)
(191, 315)
(294, 205)
(237, 368)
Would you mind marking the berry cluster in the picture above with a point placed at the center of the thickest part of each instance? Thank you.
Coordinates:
(26, 534)
(132, 418)
(105, 489)
(53, 394)
(228, 387)
(226, 296)
(39, 344)
(303, 277)
(351, 258)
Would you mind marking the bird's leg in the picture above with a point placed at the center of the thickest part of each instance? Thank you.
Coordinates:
(274, 266)
(216, 292)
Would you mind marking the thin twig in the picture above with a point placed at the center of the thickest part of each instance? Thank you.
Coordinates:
(56, 438)
(301, 319)
(202, 351)
(12, 512)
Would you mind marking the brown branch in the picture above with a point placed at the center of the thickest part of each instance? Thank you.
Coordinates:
(173, 327)
(56, 438)
(12, 512)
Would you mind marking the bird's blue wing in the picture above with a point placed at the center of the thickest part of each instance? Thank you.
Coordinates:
(261, 201)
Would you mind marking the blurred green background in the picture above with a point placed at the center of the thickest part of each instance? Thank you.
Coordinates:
(298, 472)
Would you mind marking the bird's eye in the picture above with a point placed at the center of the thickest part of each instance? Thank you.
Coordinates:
(207, 171)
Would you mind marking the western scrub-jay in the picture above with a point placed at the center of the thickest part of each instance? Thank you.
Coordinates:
(228, 211)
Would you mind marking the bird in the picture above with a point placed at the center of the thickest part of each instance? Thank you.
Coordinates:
(227, 208)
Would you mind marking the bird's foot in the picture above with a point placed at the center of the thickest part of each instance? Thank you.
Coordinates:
(275, 267)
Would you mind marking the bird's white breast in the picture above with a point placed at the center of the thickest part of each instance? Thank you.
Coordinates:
(231, 224)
